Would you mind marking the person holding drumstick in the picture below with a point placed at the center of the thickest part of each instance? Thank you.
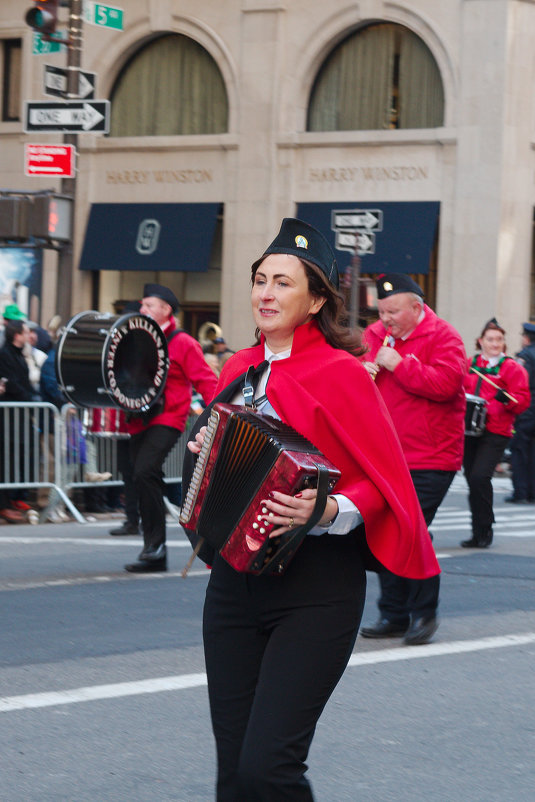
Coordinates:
(276, 646)
(504, 384)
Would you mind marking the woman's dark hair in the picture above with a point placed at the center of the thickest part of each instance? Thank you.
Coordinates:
(332, 319)
(490, 325)
(13, 327)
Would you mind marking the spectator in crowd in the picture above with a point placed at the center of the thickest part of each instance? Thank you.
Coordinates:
(418, 362)
(17, 387)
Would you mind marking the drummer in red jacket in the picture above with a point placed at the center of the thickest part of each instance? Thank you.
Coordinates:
(152, 440)
(504, 385)
(418, 362)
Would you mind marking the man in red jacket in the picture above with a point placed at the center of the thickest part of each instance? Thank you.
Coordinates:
(418, 362)
(152, 440)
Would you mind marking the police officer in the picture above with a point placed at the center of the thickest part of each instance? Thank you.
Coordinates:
(523, 442)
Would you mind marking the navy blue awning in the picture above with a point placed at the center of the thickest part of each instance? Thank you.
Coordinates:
(149, 236)
(394, 237)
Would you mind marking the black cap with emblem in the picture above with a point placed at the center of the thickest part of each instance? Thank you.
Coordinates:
(392, 283)
(298, 238)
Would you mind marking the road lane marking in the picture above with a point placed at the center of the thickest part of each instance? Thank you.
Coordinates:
(92, 693)
(28, 584)
(86, 541)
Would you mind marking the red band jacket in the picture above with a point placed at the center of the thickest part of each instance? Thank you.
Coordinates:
(424, 394)
(327, 395)
(512, 378)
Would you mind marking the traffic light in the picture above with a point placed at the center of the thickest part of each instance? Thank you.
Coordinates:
(14, 218)
(43, 17)
(52, 217)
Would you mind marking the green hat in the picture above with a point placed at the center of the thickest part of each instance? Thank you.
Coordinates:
(12, 312)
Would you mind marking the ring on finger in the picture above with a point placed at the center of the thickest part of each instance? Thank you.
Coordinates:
(290, 523)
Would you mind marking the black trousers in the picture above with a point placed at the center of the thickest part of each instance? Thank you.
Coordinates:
(402, 599)
(481, 455)
(125, 466)
(148, 451)
(523, 459)
(275, 649)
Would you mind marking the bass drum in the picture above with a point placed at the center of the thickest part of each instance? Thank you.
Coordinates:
(112, 361)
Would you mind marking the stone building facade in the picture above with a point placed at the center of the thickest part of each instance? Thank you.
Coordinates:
(274, 115)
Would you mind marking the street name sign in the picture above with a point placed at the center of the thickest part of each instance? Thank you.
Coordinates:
(55, 82)
(40, 47)
(69, 116)
(105, 16)
(49, 160)
(350, 219)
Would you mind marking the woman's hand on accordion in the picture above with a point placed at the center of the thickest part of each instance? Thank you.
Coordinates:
(287, 512)
(196, 445)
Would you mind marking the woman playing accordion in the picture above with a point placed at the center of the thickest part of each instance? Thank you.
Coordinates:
(277, 645)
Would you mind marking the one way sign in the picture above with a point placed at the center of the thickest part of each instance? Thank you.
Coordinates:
(70, 116)
(55, 82)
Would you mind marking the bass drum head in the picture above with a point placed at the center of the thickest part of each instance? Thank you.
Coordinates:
(112, 361)
(135, 362)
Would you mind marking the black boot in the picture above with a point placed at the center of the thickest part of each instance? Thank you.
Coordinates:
(479, 540)
(150, 560)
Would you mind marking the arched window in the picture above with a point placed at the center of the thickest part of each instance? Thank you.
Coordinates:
(170, 86)
(382, 76)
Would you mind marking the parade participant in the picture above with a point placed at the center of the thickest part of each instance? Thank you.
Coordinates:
(523, 442)
(504, 385)
(418, 362)
(276, 646)
(151, 440)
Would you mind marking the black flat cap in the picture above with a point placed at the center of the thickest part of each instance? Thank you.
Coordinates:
(393, 283)
(529, 328)
(298, 238)
(159, 291)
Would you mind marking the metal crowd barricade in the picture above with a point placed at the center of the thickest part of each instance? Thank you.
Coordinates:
(42, 447)
(31, 438)
(89, 448)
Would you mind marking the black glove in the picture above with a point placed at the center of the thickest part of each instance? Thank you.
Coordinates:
(501, 396)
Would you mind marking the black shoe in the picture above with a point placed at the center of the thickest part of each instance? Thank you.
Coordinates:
(477, 542)
(421, 631)
(513, 500)
(150, 560)
(384, 629)
(127, 528)
(147, 566)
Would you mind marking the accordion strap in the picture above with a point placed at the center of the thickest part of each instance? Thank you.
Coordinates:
(292, 540)
(248, 388)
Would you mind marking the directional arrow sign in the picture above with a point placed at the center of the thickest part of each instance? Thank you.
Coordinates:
(367, 219)
(360, 242)
(73, 116)
(55, 82)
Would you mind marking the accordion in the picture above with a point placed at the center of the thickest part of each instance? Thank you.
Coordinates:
(246, 455)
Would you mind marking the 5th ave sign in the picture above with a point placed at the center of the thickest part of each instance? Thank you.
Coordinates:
(69, 116)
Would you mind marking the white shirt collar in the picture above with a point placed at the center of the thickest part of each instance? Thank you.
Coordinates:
(271, 357)
(493, 361)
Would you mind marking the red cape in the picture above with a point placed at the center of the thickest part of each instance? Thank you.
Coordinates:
(328, 396)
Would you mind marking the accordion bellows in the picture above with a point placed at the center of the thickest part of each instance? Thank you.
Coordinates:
(244, 457)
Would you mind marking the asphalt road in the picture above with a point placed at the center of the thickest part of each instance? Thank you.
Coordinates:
(103, 695)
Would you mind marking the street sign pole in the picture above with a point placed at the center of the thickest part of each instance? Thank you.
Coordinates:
(355, 291)
(64, 277)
